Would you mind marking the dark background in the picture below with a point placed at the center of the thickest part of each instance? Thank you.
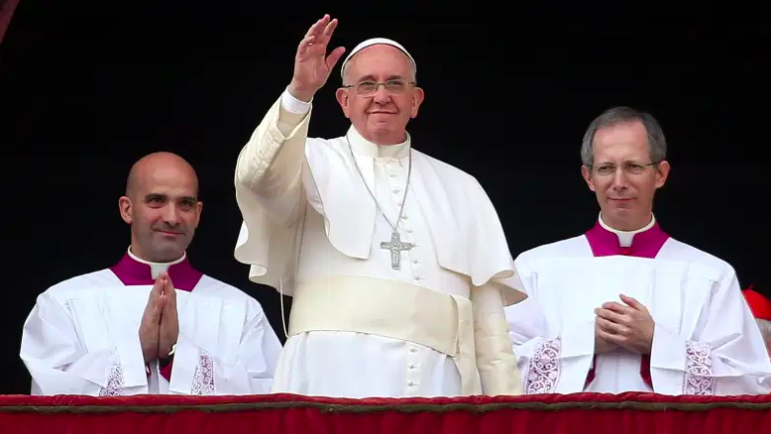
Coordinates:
(88, 89)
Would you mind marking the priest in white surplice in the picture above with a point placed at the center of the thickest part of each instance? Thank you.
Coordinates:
(125, 330)
(625, 307)
(397, 262)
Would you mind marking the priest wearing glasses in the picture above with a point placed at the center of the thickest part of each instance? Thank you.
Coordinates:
(626, 307)
(397, 262)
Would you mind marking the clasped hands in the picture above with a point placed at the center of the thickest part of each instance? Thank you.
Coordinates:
(627, 325)
(159, 329)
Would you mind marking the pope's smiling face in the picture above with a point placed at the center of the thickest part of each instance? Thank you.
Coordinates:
(379, 95)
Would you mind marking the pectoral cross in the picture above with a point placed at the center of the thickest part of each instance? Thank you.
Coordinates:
(396, 246)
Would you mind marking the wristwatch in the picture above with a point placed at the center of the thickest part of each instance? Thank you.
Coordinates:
(164, 362)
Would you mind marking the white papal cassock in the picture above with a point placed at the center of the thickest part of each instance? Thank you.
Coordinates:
(705, 340)
(82, 336)
(358, 327)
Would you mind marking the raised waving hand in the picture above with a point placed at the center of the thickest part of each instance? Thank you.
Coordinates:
(312, 65)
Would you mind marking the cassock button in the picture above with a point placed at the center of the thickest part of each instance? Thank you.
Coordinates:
(411, 366)
(413, 349)
(411, 383)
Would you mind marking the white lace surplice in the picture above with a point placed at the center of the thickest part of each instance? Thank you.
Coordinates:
(705, 342)
(81, 338)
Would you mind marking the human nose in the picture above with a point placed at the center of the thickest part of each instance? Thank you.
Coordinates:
(381, 94)
(619, 179)
(171, 214)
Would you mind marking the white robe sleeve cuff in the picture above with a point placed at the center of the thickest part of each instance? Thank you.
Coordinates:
(132, 364)
(680, 366)
(561, 364)
(193, 369)
(60, 364)
(197, 371)
(117, 371)
(541, 375)
(577, 353)
(294, 105)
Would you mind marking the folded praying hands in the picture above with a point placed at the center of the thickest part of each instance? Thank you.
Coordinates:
(629, 326)
(159, 328)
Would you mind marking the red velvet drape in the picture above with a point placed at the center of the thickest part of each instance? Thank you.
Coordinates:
(287, 414)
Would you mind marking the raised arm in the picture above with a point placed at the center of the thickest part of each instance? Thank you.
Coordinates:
(269, 168)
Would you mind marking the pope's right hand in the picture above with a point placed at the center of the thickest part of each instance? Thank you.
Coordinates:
(312, 66)
(150, 328)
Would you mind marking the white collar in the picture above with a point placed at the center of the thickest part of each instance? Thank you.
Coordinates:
(364, 147)
(625, 238)
(156, 268)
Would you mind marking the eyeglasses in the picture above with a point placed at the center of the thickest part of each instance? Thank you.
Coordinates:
(631, 168)
(368, 87)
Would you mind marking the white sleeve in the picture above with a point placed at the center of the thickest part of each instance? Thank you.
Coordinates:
(259, 352)
(60, 364)
(251, 372)
(725, 355)
(269, 169)
(552, 359)
(496, 363)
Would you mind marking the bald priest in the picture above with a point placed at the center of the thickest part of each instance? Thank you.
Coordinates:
(150, 324)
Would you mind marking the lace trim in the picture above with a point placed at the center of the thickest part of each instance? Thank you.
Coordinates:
(544, 369)
(115, 377)
(698, 369)
(203, 378)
